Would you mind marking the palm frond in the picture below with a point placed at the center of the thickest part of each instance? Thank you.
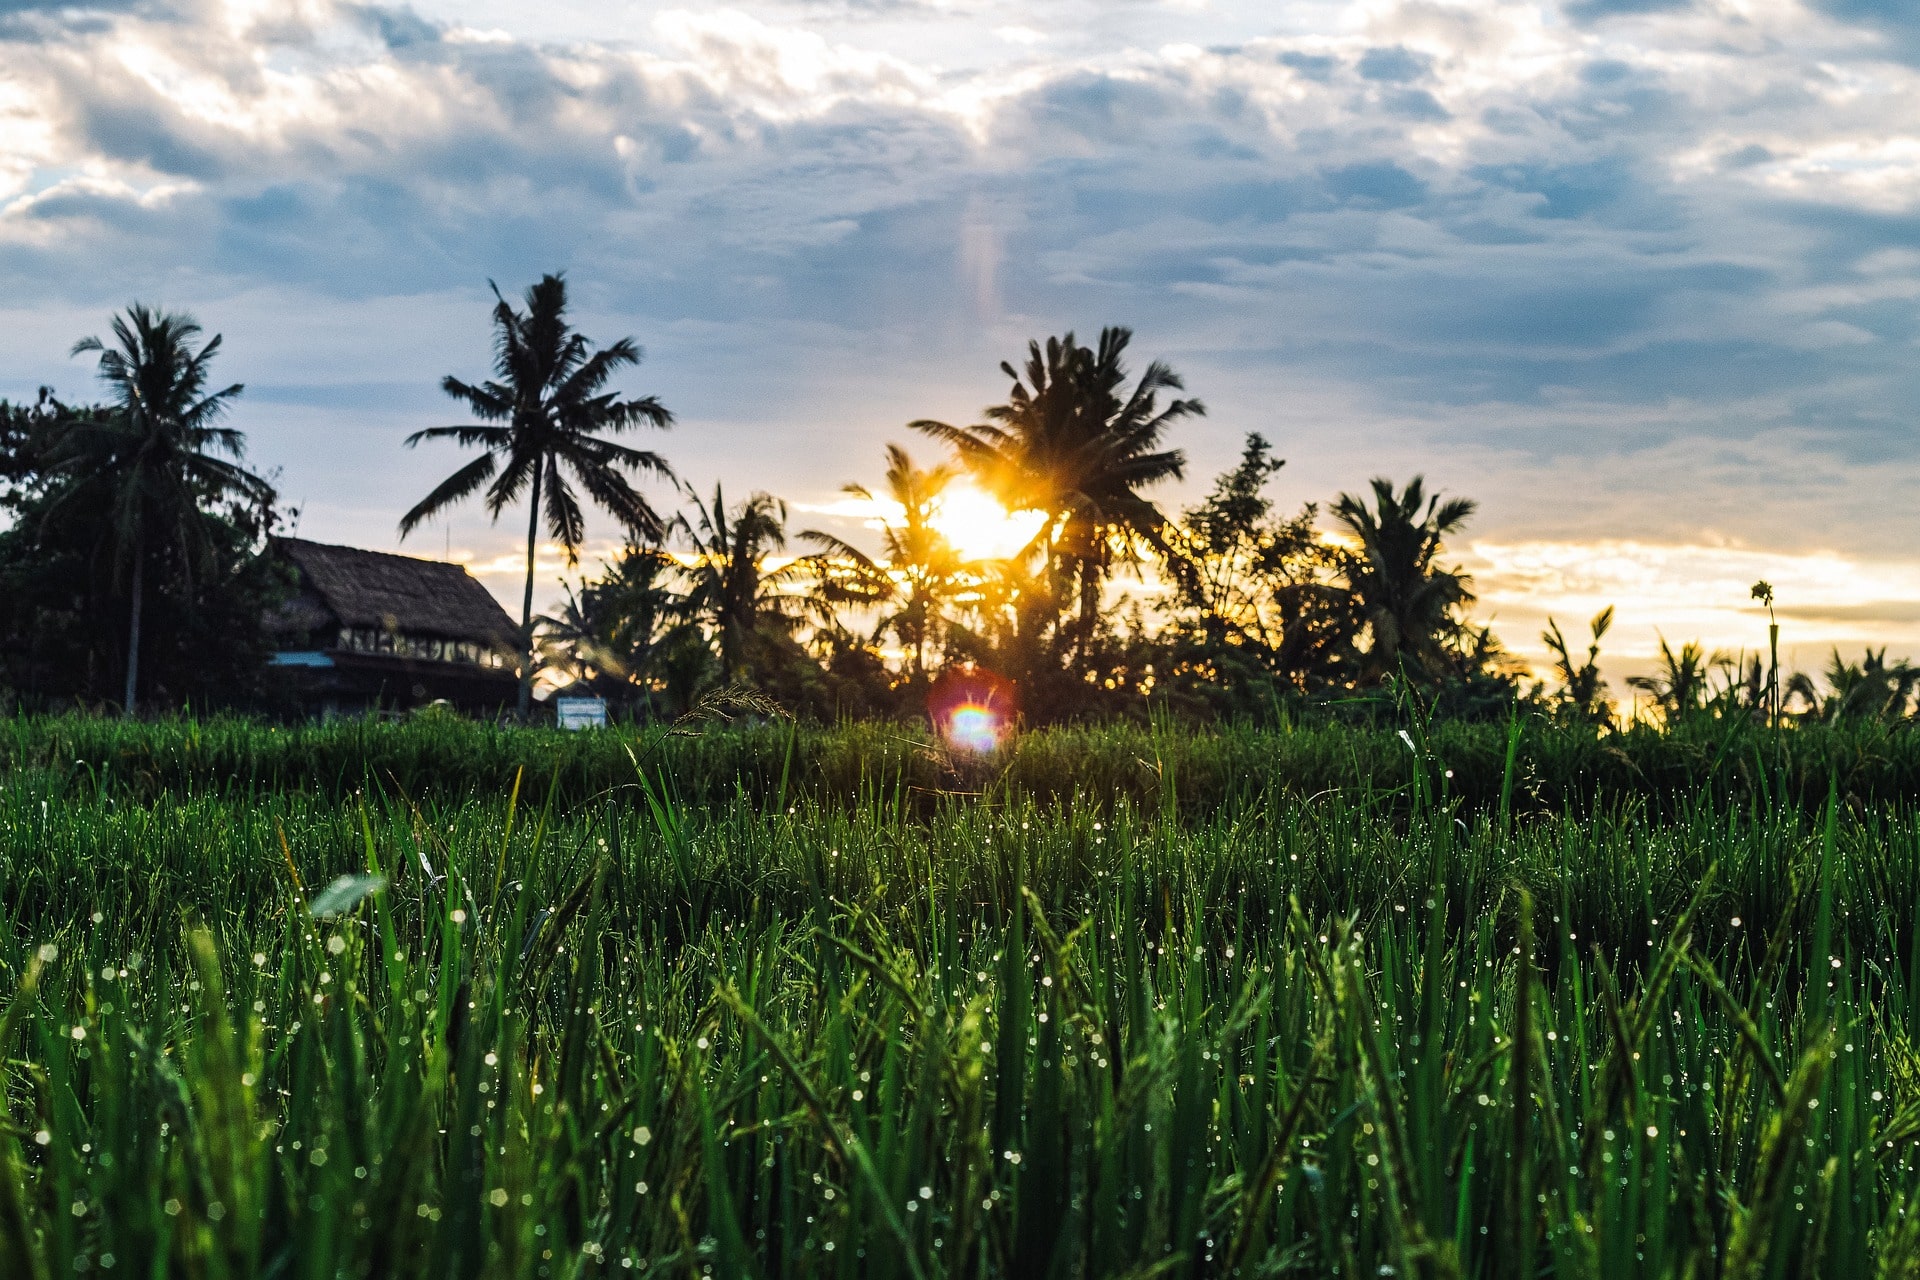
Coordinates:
(488, 401)
(466, 433)
(456, 487)
(565, 520)
(610, 489)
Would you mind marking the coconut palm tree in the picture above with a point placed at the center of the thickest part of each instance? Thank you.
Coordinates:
(1074, 441)
(156, 460)
(730, 583)
(918, 569)
(1409, 602)
(541, 414)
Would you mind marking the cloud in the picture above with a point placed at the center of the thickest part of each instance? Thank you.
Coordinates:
(1394, 65)
(1897, 612)
(1379, 184)
(1314, 66)
(1592, 10)
(398, 28)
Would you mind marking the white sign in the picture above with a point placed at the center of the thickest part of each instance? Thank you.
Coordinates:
(580, 713)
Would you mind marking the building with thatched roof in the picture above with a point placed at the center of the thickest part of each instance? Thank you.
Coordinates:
(368, 629)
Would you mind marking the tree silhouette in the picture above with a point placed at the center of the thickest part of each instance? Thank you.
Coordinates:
(1680, 687)
(1003, 621)
(730, 584)
(618, 626)
(1074, 441)
(1871, 689)
(918, 570)
(1251, 590)
(1408, 601)
(1583, 692)
(157, 458)
(544, 407)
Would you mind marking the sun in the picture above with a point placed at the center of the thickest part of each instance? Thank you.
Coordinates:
(978, 527)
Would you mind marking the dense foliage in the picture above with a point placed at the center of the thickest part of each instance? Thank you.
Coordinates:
(80, 545)
(356, 1029)
(136, 535)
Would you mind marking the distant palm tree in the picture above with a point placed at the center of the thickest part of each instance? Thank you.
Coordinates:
(153, 462)
(918, 568)
(1408, 601)
(547, 404)
(1681, 685)
(1073, 441)
(730, 583)
(1583, 692)
(1745, 689)
(1872, 689)
(618, 625)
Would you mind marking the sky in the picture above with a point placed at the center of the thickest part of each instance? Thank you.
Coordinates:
(1639, 276)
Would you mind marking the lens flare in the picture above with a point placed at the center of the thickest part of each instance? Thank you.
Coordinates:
(974, 728)
(971, 710)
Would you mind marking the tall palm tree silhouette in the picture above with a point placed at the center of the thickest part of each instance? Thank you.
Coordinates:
(1407, 600)
(1073, 441)
(543, 410)
(157, 458)
(918, 569)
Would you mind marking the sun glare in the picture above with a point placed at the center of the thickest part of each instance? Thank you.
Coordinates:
(979, 527)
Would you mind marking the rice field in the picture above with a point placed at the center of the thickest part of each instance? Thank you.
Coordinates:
(774, 1003)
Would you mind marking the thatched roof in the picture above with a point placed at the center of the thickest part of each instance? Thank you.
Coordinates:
(350, 587)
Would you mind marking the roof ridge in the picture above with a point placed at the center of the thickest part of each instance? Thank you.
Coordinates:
(282, 540)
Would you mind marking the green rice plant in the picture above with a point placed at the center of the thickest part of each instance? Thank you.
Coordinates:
(1527, 768)
(670, 1028)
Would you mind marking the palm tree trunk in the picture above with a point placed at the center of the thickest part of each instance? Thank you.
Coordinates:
(1089, 609)
(133, 633)
(526, 603)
